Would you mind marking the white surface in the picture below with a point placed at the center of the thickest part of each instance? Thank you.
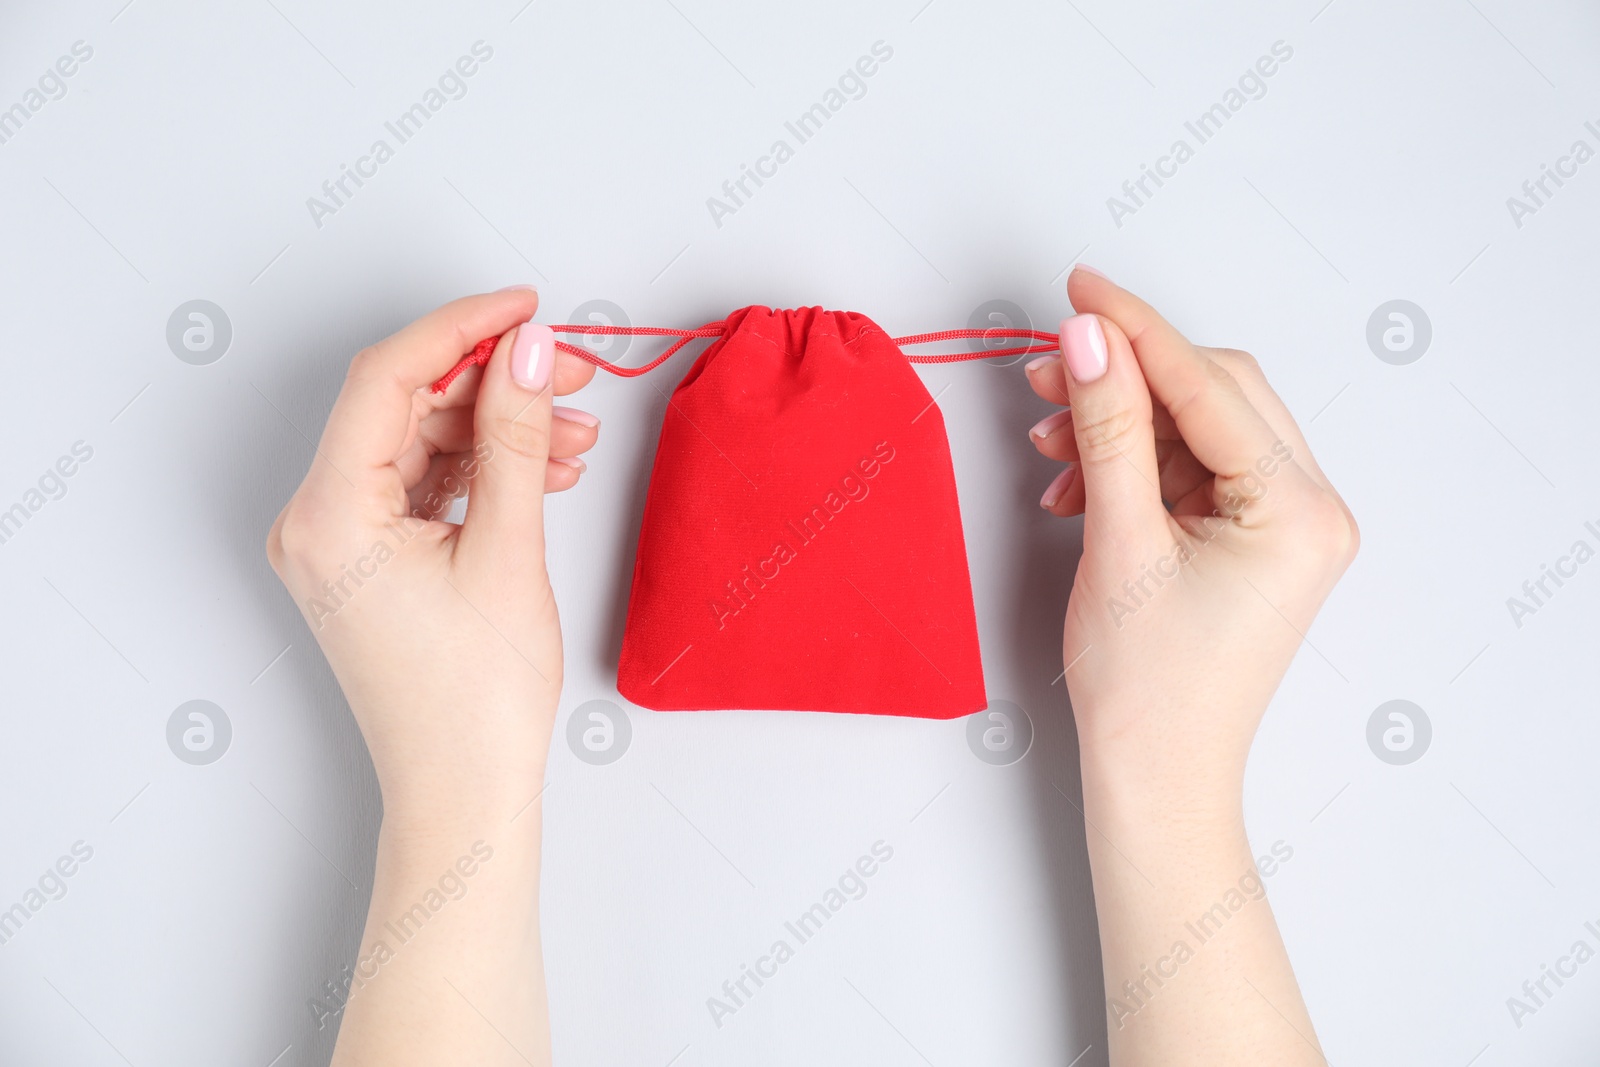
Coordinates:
(977, 166)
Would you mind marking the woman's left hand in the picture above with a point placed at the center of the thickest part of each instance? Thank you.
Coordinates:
(444, 638)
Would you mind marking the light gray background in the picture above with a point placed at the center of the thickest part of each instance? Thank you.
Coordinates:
(978, 166)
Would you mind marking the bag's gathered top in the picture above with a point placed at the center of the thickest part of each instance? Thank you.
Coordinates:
(801, 548)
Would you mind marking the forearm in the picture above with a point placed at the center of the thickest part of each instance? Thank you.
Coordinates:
(450, 968)
(1195, 969)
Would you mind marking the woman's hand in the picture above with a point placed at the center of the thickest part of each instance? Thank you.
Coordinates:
(1210, 540)
(444, 638)
(446, 642)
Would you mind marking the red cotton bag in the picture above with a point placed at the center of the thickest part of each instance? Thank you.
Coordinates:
(801, 548)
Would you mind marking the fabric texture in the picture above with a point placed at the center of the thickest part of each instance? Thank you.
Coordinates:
(801, 547)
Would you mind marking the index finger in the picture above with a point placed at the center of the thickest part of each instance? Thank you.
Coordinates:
(372, 418)
(1266, 400)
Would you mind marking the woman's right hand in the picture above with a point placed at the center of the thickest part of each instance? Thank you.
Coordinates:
(1182, 620)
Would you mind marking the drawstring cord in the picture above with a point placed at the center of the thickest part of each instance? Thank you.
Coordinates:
(1043, 343)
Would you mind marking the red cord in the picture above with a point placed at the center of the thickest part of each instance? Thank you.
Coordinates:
(477, 357)
(1045, 342)
(1048, 343)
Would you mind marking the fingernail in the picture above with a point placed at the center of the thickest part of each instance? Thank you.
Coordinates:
(1083, 346)
(1041, 363)
(1050, 424)
(509, 288)
(582, 418)
(1058, 488)
(1090, 270)
(533, 356)
(572, 461)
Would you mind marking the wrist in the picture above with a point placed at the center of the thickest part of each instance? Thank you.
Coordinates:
(1197, 798)
(1153, 756)
(427, 803)
(476, 763)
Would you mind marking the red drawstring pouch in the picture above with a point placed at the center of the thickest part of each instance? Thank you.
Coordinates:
(801, 548)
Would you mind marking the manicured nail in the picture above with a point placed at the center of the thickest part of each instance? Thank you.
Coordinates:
(1041, 363)
(533, 356)
(1090, 270)
(509, 288)
(1083, 346)
(571, 461)
(1058, 488)
(1050, 424)
(582, 418)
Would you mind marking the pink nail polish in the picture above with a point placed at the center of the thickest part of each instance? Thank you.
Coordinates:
(1059, 486)
(510, 288)
(1041, 363)
(582, 418)
(1090, 270)
(533, 356)
(1050, 424)
(1083, 346)
(571, 461)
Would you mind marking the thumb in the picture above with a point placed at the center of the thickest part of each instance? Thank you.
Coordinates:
(1111, 419)
(511, 442)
